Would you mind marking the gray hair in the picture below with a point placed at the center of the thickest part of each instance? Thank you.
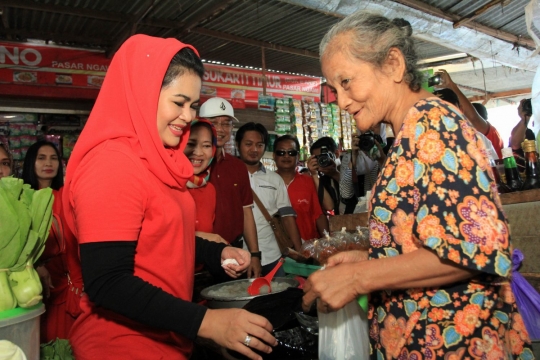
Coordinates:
(372, 37)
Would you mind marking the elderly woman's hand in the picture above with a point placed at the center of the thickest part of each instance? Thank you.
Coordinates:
(347, 257)
(242, 257)
(334, 286)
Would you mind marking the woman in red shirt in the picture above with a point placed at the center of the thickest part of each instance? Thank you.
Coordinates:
(59, 268)
(200, 150)
(6, 161)
(127, 202)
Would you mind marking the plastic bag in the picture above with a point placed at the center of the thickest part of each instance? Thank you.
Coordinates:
(527, 298)
(343, 334)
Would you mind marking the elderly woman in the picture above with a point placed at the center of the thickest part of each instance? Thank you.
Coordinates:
(440, 247)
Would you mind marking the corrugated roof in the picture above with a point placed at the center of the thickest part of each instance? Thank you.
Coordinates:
(102, 24)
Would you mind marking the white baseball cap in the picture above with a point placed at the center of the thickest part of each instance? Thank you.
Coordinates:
(217, 106)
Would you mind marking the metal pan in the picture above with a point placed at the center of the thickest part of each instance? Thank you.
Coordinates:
(225, 302)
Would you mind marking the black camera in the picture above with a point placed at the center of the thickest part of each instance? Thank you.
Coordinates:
(366, 141)
(527, 107)
(434, 80)
(325, 158)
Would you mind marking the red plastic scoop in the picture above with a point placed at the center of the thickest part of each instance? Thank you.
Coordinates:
(255, 287)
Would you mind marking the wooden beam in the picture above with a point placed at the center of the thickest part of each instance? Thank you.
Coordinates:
(5, 19)
(87, 13)
(130, 30)
(252, 42)
(501, 94)
(56, 37)
(502, 35)
(66, 10)
(213, 11)
(263, 71)
(477, 13)
(122, 18)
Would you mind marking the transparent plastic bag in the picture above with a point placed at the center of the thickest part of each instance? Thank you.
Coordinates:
(361, 238)
(343, 334)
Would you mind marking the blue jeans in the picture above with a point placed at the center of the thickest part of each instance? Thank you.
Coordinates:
(267, 268)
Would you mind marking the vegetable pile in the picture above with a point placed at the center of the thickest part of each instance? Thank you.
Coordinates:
(25, 220)
(59, 349)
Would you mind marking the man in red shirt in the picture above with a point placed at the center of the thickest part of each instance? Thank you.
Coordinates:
(234, 200)
(309, 216)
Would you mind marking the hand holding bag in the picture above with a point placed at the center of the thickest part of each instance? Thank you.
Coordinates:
(282, 238)
(343, 334)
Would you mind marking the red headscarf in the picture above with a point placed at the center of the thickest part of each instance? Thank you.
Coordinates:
(126, 108)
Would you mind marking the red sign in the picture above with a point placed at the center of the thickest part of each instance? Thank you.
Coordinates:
(58, 72)
(51, 71)
(243, 86)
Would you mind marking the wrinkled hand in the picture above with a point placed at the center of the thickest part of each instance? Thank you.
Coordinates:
(229, 328)
(254, 270)
(347, 257)
(243, 258)
(211, 237)
(46, 281)
(334, 286)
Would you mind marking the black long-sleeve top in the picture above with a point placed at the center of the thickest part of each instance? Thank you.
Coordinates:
(109, 281)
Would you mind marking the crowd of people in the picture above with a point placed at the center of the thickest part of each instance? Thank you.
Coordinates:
(150, 196)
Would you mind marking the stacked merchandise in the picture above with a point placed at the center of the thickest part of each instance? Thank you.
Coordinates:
(335, 124)
(230, 146)
(68, 142)
(269, 164)
(283, 118)
(326, 118)
(22, 132)
(312, 115)
(19, 132)
(346, 128)
(297, 122)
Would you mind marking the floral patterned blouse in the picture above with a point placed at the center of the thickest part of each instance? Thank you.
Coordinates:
(436, 190)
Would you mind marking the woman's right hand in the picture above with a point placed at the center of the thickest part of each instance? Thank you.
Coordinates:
(229, 328)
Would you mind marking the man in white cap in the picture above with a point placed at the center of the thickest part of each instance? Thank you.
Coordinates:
(234, 199)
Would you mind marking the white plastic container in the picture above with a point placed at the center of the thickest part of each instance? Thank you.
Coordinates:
(21, 327)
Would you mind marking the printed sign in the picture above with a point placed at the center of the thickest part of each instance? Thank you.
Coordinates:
(245, 85)
(52, 71)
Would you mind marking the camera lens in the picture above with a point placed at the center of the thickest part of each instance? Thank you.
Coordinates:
(366, 142)
(434, 80)
(324, 160)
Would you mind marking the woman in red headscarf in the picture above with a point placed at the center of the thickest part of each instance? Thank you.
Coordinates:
(126, 200)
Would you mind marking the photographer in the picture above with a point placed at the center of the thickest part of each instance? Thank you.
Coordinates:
(443, 80)
(333, 188)
(521, 132)
(368, 157)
